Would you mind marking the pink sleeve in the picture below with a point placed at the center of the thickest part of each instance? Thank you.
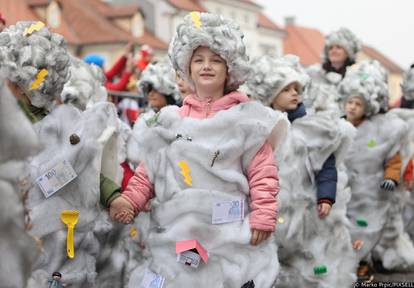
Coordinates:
(264, 187)
(139, 189)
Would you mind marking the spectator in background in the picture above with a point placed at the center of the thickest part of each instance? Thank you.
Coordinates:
(2, 23)
(123, 69)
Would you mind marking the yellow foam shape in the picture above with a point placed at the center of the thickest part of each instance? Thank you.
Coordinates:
(40, 77)
(133, 232)
(196, 19)
(185, 171)
(35, 27)
(281, 220)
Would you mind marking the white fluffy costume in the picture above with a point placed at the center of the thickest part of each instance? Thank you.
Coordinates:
(305, 241)
(373, 211)
(85, 85)
(347, 40)
(39, 65)
(17, 143)
(79, 138)
(38, 60)
(184, 197)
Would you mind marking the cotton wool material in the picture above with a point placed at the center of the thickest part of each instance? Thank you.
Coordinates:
(18, 143)
(221, 35)
(271, 75)
(27, 55)
(94, 153)
(182, 212)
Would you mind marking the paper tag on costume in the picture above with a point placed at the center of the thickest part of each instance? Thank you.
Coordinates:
(189, 258)
(228, 211)
(56, 178)
(152, 280)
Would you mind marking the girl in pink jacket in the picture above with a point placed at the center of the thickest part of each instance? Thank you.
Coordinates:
(209, 167)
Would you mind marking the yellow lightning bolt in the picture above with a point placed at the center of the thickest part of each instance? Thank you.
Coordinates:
(196, 19)
(35, 27)
(133, 232)
(40, 77)
(185, 171)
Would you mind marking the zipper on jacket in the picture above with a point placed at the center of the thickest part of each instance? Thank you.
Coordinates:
(208, 107)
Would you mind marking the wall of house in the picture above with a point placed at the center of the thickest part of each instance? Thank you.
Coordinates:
(258, 40)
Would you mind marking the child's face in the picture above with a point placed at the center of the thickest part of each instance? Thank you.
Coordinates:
(156, 100)
(208, 70)
(182, 86)
(288, 98)
(354, 109)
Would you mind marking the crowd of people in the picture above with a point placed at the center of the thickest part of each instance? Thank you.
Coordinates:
(238, 172)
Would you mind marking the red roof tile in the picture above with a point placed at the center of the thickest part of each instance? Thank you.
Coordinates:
(80, 22)
(188, 5)
(16, 10)
(307, 43)
(265, 22)
(391, 66)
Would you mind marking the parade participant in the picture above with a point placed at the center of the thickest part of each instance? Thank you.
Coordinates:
(340, 51)
(158, 86)
(39, 68)
(18, 142)
(216, 149)
(374, 168)
(307, 164)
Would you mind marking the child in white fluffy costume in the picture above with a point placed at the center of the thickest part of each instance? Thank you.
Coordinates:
(374, 169)
(217, 147)
(314, 244)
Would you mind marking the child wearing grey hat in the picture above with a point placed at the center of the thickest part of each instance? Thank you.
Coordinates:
(210, 155)
(308, 159)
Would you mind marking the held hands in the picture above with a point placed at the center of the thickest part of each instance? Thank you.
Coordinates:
(388, 185)
(258, 236)
(121, 210)
(323, 210)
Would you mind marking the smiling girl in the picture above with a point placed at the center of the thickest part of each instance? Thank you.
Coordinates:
(216, 149)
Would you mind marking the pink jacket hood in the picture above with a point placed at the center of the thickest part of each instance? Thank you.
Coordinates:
(197, 108)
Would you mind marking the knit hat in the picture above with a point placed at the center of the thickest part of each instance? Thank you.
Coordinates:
(344, 38)
(367, 82)
(96, 59)
(221, 35)
(37, 59)
(270, 75)
(407, 85)
(161, 77)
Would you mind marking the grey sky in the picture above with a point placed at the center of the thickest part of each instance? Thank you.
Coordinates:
(387, 25)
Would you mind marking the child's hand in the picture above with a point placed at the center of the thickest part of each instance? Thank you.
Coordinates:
(121, 210)
(259, 236)
(324, 209)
